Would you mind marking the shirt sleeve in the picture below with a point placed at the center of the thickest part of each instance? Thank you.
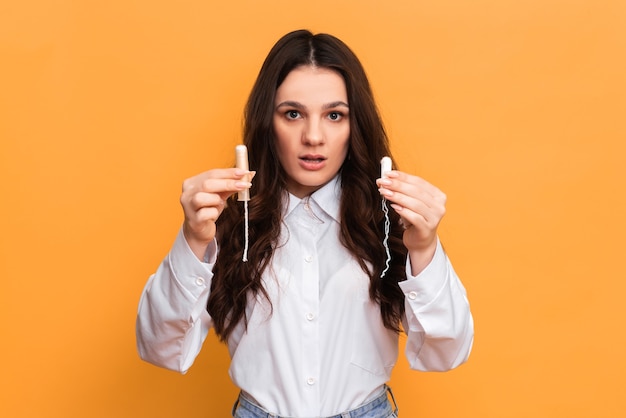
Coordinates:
(438, 321)
(172, 320)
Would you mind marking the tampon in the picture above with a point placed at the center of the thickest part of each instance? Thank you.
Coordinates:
(385, 167)
(241, 158)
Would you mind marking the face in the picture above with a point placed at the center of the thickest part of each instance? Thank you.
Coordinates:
(312, 126)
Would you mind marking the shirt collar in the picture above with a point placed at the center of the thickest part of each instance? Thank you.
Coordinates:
(328, 198)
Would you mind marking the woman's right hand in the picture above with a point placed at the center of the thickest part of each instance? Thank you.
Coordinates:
(203, 199)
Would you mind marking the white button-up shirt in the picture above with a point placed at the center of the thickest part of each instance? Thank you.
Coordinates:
(322, 348)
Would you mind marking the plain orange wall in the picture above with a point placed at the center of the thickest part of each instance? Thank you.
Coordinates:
(515, 108)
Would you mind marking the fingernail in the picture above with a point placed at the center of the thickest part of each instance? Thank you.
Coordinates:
(385, 182)
(243, 184)
(385, 192)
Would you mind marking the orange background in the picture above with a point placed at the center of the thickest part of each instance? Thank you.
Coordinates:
(515, 108)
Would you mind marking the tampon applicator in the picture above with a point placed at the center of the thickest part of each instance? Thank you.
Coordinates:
(241, 161)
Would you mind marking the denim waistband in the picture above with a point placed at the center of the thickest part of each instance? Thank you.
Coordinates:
(380, 404)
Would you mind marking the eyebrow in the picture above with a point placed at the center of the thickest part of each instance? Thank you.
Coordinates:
(299, 105)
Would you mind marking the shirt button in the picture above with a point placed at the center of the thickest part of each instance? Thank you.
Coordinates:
(310, 316)
(308, 258)
(413, 295)
(310, 381)
(199, 281)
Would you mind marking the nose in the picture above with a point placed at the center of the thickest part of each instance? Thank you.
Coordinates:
(313, 134)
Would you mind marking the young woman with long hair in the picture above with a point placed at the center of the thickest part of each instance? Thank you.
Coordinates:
(340, 261)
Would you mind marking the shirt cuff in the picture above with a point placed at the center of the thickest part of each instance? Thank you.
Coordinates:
(192, 274)
(425, 287)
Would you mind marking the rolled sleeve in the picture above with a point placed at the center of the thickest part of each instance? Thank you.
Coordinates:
(172, 321)
(421, 289)
(438, 321)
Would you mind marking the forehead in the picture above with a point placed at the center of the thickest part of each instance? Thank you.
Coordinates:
(316, 85)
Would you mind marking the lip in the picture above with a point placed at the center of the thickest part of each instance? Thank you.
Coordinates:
(312, 162)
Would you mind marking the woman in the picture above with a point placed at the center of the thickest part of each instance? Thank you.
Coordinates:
(312, 317)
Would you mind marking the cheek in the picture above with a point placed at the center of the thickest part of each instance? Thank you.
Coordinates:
(281, 138)
(285, 145)
(285, 131)
(345, 140)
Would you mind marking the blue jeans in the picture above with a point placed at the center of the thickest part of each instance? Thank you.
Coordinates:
(377, 408)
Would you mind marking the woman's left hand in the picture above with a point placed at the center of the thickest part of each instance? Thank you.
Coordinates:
(421, 207)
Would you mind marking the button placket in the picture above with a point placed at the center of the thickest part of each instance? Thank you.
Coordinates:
(309, 292)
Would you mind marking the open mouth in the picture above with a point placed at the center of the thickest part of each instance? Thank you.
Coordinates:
(312, 160)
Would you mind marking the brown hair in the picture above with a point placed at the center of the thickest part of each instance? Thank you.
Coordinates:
(361, 216)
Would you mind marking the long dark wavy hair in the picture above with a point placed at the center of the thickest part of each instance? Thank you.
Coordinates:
(362, 220)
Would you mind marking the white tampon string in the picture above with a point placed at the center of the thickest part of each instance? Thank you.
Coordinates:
(385, 167)
(386, 239)
(246, 234)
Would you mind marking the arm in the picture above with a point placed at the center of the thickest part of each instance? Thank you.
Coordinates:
(438, 321)
(172, 320)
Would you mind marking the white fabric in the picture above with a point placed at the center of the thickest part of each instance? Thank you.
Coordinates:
(323, 348)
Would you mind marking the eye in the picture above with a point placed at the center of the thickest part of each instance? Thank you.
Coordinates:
(292, 114)
(335, 116)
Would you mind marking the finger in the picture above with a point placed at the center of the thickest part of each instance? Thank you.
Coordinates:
(207, 214)
(225, 187)
(410, 218)
(409, 196)
(399, 178)
(202, 180)
(204, 200)
(227, 173)
(419, 214)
